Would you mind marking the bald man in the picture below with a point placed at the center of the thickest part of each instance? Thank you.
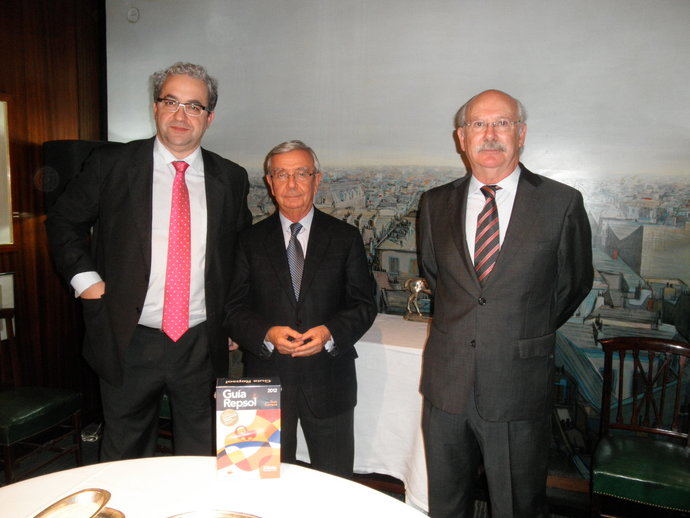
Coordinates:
(508, 256)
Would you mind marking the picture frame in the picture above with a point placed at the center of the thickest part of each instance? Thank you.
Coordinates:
(6, 221)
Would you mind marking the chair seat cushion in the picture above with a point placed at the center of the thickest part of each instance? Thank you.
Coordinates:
(654, 472)
(26, 411)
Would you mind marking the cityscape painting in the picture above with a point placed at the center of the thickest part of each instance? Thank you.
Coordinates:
(641, 253)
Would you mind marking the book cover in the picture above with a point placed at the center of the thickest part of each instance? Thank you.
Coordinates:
(248, 427)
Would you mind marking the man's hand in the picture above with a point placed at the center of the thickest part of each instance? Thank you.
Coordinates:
(95, 291)
(313, 341)
(284, 339)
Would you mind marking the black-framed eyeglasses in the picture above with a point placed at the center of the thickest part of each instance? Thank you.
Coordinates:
(172, 105)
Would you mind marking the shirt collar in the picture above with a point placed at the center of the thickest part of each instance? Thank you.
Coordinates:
(305, 221)
(509, 183)
(194, 159)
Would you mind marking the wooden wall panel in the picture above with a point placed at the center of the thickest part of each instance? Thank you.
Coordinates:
(52, 54)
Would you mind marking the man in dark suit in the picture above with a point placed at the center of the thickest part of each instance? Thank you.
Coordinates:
(302, 295)
(154, 275)
(507, 254)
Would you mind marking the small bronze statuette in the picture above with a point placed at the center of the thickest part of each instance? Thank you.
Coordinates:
(415, 286)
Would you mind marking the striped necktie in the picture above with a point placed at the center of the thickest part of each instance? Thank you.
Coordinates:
(295, 257)
(487, 242)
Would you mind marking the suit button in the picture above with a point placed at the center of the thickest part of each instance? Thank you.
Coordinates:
(138, 311)
(481, 301)
(473, 343)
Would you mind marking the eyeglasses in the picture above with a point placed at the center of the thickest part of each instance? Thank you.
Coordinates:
(172, 105)
(501, 125)
(302, 174)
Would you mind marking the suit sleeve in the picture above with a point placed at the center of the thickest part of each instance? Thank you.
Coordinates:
(358, 314)
(425, 248)
(245, 216)
(243, 325)
(575, 271)
(70, 220)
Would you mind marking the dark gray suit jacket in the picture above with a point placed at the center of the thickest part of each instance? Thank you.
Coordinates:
(113, 194)
(498, 339)
(337, 291)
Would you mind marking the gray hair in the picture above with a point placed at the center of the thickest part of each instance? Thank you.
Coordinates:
(286, 147)
(460, 115)
(186, 69)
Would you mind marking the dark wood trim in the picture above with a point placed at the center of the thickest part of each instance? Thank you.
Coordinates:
(54, 71)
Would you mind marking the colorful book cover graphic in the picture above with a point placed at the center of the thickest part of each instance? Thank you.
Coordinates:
(248, 427)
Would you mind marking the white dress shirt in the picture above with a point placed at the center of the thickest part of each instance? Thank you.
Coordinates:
(505, 197)
(303, 238)
(302, 235)
(163, 176)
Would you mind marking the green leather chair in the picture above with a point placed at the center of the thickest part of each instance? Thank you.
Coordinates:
(34, 420)
(643, 455)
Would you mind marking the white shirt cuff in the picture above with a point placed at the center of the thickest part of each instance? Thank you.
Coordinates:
(83, 281)
(328, 345)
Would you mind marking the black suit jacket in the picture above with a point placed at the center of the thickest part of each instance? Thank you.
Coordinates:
(337, 291)
(113, 195)
(496, 341)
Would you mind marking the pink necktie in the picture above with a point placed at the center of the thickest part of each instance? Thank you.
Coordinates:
(177, 273)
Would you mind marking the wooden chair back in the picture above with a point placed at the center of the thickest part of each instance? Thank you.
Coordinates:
(650, 389)
(10, 371)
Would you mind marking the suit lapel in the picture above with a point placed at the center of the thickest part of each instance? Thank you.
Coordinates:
(522, 219)
(275, 248)
(458, 210)
(319, 239)
(140, 180)
(214, 185)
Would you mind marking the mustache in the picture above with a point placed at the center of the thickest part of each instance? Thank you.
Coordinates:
(491, 145)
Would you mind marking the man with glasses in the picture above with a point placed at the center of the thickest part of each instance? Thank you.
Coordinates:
(301, 296)
(154, 275)
(507, 254)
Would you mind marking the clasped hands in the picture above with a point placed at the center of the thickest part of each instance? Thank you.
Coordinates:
(288, 341)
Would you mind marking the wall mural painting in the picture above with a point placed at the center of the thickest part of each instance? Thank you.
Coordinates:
(640, 239)
(640, 227)
(381, 202)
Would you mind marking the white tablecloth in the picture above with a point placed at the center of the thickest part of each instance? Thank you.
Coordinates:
(159, 487)
(388, 435)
